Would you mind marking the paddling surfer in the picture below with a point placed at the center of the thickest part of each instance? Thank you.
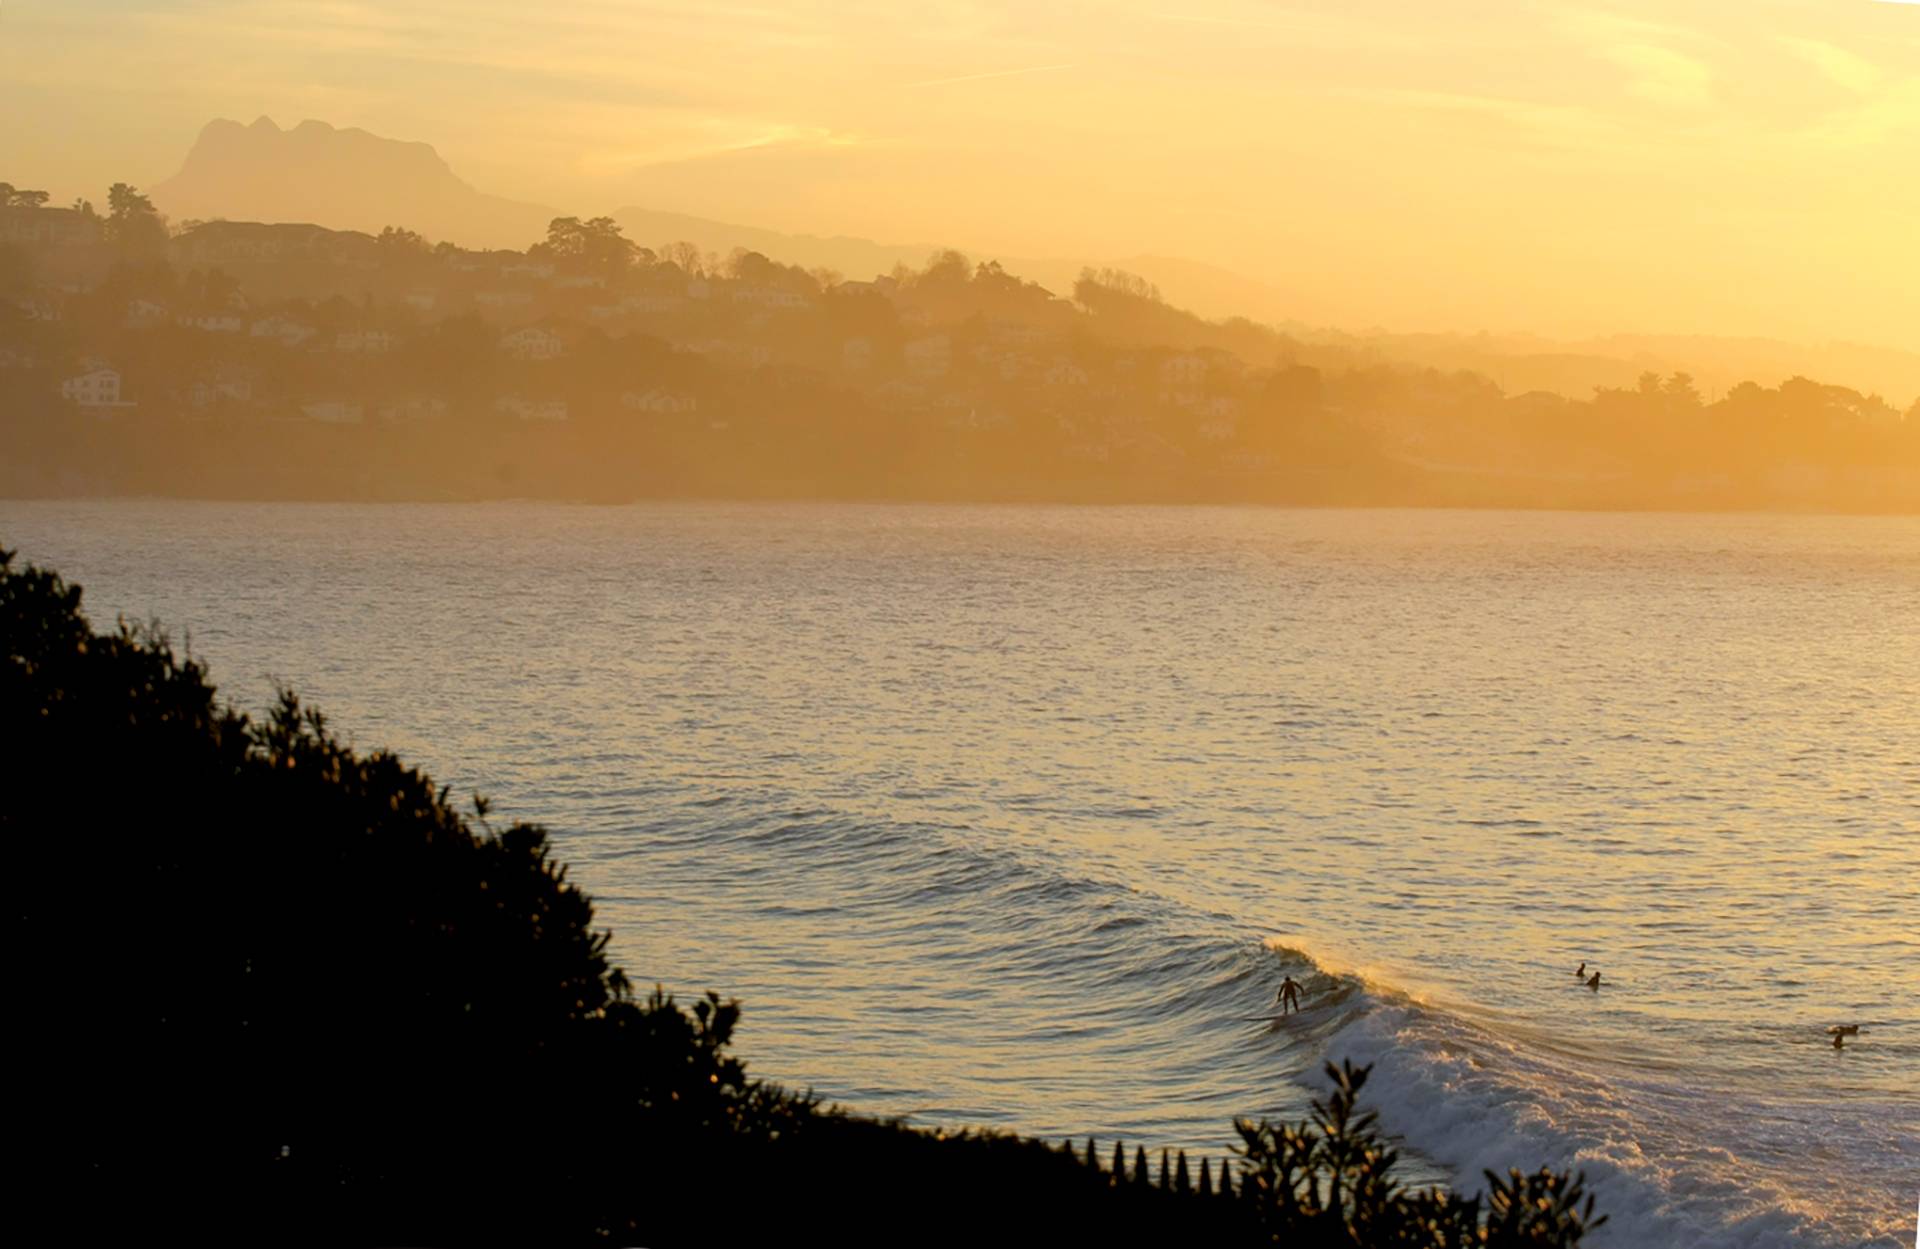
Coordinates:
(1289, 996)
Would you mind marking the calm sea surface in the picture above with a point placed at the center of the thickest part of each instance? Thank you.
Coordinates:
(1015, 816)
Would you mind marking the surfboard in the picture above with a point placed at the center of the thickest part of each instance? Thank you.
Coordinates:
(1263, 1018)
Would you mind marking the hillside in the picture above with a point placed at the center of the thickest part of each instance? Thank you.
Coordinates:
(351, 179)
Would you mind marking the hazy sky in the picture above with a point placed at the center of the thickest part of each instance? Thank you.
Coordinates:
(1717, 166)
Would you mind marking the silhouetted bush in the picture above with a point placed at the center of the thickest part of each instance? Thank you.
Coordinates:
(278, 992)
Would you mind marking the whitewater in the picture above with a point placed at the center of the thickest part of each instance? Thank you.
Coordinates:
(1014, 816)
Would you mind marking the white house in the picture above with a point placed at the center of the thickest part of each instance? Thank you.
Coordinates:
(215, 323)
(1182, 377)
(290, 333)
(1066, 373)
(531, 409)
(414, 409)
(423, 300)
(531, 342)
(931, 356)
(1015, 334)
(369, 342)
(205, 394)
(503, 299)
(1012, 366)
(857, 354)
(652, 303)
(728, 351)
(900, 395)
(142, 313)
(771, 297)
(98, 387)
(657, 400)
(527, 269)
(334, 412)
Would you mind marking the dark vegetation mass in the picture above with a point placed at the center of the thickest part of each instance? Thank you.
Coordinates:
(232, 359)
(281, 992)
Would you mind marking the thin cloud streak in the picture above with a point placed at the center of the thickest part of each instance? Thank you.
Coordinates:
(1001, 73)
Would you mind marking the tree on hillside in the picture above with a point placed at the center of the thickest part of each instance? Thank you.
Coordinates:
(751, 268)
(16, 197)
(1097, 285)
(133, 225)
(684, 255)
(125, 201)
(397, 241)
(946, 268)
(1680, 391)
(591, 246)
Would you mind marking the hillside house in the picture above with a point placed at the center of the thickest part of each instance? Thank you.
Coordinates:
(288, 333)
(97, 387)
(660, 402)
(46, 226)
(1183, 378)
(525, 409)
(367, 342)
(144, 314)
(214, 323)
(334, 412)
(532, 342)
(417, 408)
(856, 354)
(931, 356)
(213, 392)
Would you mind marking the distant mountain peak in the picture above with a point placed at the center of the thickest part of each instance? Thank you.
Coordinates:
(342, 177)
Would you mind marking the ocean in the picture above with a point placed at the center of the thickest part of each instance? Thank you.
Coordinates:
(1017, 816)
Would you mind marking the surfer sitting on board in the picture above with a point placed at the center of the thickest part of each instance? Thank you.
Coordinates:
(1289, 995)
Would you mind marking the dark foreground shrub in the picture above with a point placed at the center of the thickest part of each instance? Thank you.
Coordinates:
(273, 991)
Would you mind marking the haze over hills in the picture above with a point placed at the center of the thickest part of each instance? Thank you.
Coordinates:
(343, 179)
(353, 179)
(350, 179)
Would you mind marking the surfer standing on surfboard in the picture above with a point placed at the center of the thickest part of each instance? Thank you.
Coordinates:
(1289, 996)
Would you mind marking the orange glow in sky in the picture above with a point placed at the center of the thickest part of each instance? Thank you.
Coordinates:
(1696, 166)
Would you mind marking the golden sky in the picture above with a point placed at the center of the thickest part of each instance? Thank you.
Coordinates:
(1698, 166)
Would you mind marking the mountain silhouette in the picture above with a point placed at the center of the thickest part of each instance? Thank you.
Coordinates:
(343, 179)
(350, 179)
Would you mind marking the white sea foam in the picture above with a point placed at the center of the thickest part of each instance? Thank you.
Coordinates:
(1666, 1166)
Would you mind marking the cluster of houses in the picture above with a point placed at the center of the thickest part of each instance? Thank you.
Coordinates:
(921, 383)
(965, 376)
